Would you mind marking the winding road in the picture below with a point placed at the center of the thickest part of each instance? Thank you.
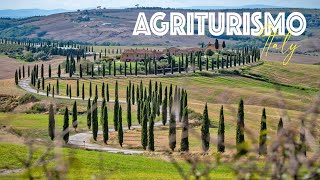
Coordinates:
(82, 140)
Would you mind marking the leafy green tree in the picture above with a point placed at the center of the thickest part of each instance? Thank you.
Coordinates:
(144, 129)
(209, 52)
(263, 134)
(105, 125)
(89, 114)
(172, 131)
(66, 126)
(75, 116)
(52, 123)
(120, 130)
(221, 146)
(205, 133)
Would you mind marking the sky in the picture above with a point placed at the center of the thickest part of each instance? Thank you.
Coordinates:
(83, 4)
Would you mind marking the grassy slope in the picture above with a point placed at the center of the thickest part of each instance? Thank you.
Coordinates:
(85, 164)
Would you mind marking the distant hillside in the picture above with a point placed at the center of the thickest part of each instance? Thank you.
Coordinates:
(23, 13)
(254, 6)
(115, 27)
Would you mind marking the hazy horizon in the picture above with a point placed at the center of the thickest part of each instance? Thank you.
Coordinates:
(87, 4)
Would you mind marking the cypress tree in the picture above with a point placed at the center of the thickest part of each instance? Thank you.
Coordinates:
(139, 111)
(129, 113)
(102, 91)
(164, 107)
(70, 92)
(116, 108)
(67, 90)
(205, 133)
(263, 134)
(51, 123)
(52, 89)
(66, 126)
(160, 94)
(16, 79)
(114, 68)
(103, 104)
(96, 92)
(172, 131)
(130, 69)
(136, 68)
(78, 88)
(83, 94)
(43, 83)
(120, 130)
(221, 146)
(94, 119)
(105, 125)
(240, 128)
(23, 72)
(42, 69)
(90, 89)
(57, 86)
(185, 130)
(280, 126)
(144, 130)
(103, 70)
(75, 116)
(151, 135)
(107, 92)
(89, 114)
(133, 95)
(49, 70)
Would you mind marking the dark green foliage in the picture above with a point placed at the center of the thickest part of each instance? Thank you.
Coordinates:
(16, 79)
(49, 72)
(90, 89)
(94, 119)
(83, 94)
(263, 134)
(120, 130)
(129, 119)
(66, 126)
(185, 130)
(52, 123)
(172, 131)
(89, 114)
(164, 107)
(133, 95)
(280, 126)
(70, 92)
(205, 133)
(144, 128)
(102, 91)
(103, 104)
(57, 86)
(151, 135)
(96, 92)
(80, 68)
(107, 93)
(221, 146)
(116, 108)
(240, 129)
(75, 116)
(78, 88)
(105, 127)
(139, 111)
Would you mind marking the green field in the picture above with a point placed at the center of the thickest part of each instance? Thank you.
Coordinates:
(88, 164)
